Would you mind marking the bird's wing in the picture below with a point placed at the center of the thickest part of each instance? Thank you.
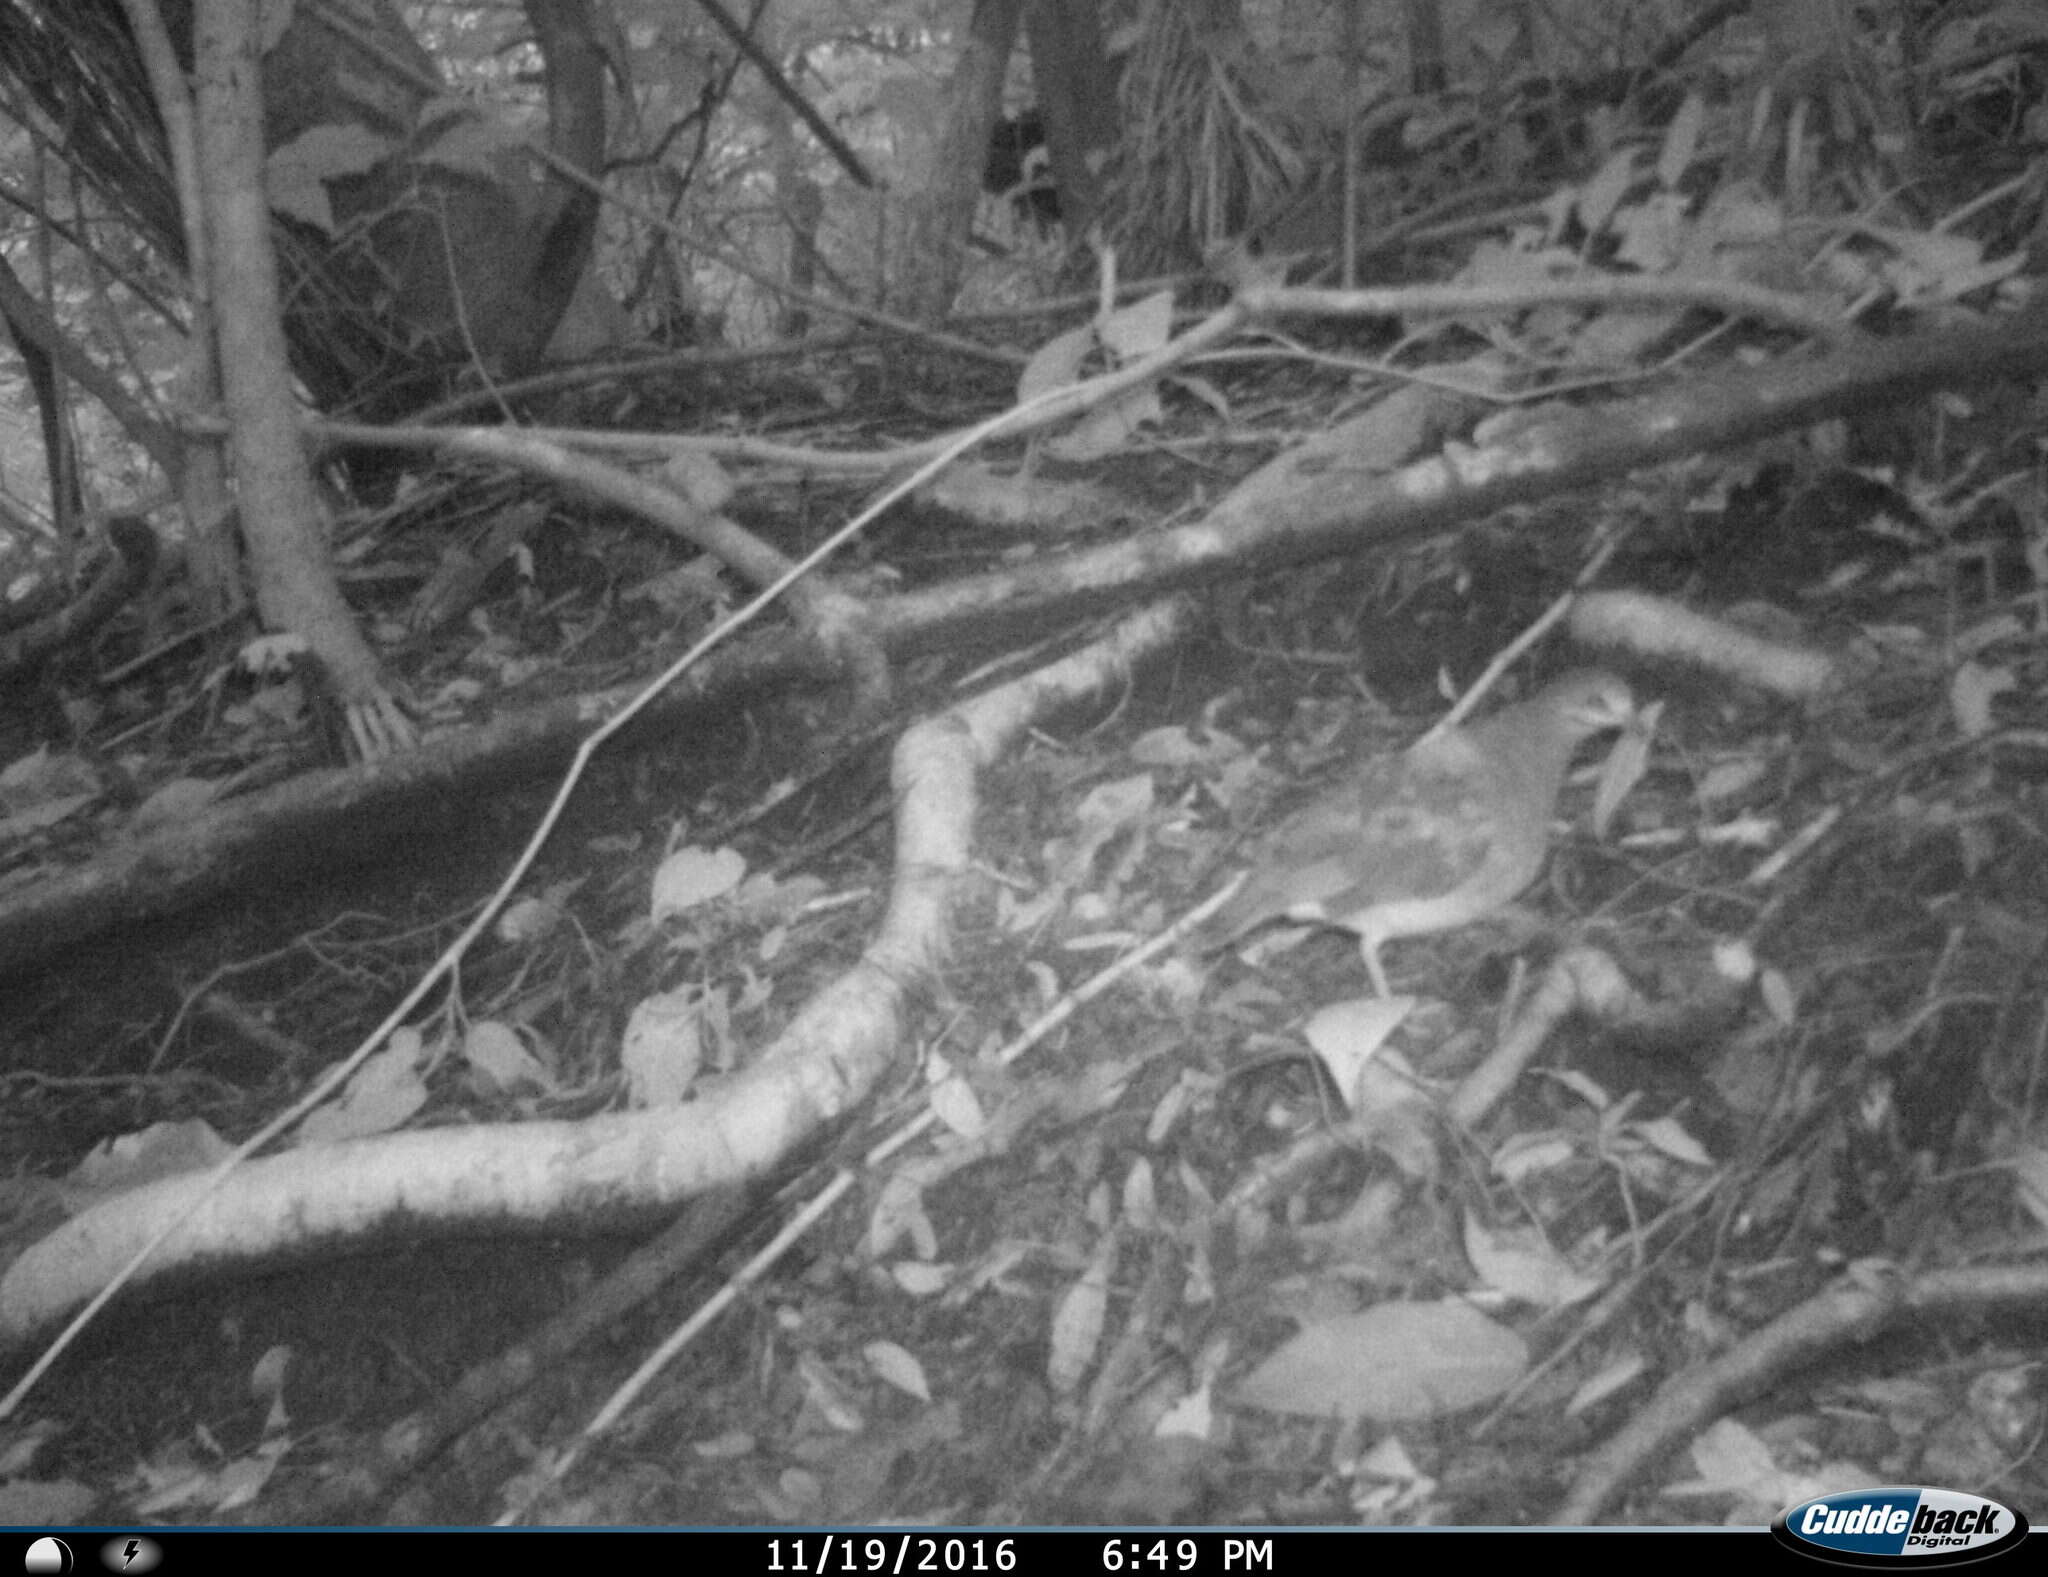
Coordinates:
(1301, 863)
(1446, 833)
(1431, 822)
(1411, 826)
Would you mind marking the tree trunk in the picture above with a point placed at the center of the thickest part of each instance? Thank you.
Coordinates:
(1075, 83)
(296, 589)
(213, 564)
(941, 207)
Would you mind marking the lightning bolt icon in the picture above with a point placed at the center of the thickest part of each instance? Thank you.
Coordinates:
(134, 1549)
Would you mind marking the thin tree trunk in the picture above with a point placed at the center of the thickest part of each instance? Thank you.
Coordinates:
(281, 513)
(926, 272)
(211, 562)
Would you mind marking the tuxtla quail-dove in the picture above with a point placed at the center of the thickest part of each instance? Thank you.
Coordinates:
(1436, 837)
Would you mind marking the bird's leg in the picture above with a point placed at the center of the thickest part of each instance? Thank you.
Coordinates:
(1369, 950)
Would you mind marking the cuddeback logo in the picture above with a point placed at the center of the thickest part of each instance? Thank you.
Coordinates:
(1889, 1527)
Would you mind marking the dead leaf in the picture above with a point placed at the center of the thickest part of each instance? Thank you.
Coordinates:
(954, 1102)
(527, 920)
(1078, 1321)
(1347, 1035)
(1624, 767)
(1056, 364)
(130, 1160)
(380, 1095)
(899, 1213)
(1595, 1389)
(176, 800)
(691, 876)
(699, 478)
(1521, 1263)
(495, 1050)
(664, 1047)
(897, 1366)
(1393, 1362)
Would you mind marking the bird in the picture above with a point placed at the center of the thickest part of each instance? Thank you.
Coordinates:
(1447, 832)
